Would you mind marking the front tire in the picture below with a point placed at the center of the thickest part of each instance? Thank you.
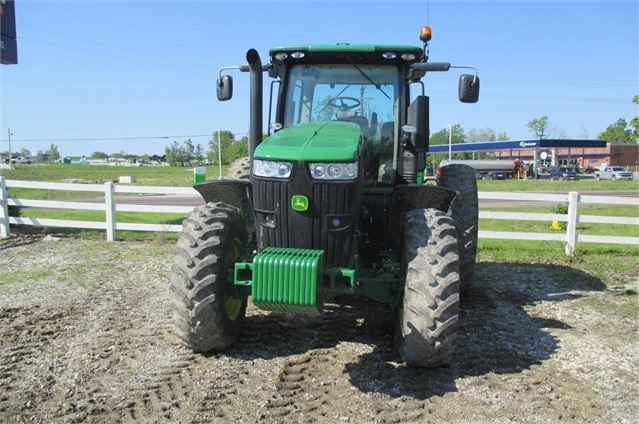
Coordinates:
(207, 310)
(427, 322)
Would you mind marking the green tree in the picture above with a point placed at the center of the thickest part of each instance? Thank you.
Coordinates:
(543, 129)
(619, 132)
(634, 122)
(622, 131)
(224, 138)
(54, 154)
(442, 136)
(237, 150)
(198, 153)
(189, 149)
(99, 155)
(540, 127)
(176, 155)
(485, 134)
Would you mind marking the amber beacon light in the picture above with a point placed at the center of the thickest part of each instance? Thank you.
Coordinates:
(425, 34)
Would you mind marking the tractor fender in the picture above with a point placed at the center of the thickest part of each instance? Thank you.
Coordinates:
(414, 196)
(236, 193)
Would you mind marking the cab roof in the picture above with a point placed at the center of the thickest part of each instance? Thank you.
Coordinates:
(344, 53)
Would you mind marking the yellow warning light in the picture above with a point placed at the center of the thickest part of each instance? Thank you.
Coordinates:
(425, 34)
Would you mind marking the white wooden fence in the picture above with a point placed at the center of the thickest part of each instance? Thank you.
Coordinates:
(110, 206)
(572, 199)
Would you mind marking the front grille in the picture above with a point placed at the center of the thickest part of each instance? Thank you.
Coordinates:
(278, 225)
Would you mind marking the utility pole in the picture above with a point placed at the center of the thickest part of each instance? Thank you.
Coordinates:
(450, 142)
(9, 138)
(219, 154)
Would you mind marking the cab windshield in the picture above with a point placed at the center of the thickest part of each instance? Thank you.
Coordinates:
(364, 94)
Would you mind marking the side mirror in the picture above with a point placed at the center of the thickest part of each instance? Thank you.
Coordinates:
(468, 88)
(224, 88)
(418, 117)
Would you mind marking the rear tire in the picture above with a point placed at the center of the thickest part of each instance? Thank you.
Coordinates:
(207, 311)
(427, 322)
(239, 169)
(465, 213)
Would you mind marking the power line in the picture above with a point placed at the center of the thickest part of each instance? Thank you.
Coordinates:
(128, 138)
(114, 138)
(164, 59)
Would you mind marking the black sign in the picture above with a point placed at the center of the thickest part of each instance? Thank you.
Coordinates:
(8, 44)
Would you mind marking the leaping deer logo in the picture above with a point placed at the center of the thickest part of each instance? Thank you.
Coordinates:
(299, 203)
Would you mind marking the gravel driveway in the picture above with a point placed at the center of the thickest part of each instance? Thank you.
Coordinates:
(86, 336)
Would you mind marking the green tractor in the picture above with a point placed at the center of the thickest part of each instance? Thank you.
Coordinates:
(333, 202)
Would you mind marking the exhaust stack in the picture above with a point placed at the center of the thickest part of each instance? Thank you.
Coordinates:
(255, 122)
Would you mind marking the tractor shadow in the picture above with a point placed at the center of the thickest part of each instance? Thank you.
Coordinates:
(496, 333)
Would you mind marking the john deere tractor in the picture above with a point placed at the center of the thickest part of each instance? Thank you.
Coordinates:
(334, 202)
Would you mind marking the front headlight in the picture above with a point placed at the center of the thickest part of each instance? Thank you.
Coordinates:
(333, 171)
(271, 168)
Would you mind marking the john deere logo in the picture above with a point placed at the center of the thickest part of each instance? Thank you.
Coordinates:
(299, 203)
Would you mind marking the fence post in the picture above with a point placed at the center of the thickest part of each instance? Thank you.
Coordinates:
(571, 228)
(4, 209)
(109, 189)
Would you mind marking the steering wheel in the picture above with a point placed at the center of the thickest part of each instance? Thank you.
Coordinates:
(345, 103)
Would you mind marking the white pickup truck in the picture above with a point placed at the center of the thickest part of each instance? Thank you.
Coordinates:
(21, 160)
(613, 173)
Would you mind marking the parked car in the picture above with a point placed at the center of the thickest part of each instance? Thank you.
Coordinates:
(21, 160)
(590, 170)
(564, 173)
(495, 175)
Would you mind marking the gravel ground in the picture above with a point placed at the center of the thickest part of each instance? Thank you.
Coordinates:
(86, 336)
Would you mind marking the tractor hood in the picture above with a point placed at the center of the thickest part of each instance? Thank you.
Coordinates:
(314, 141)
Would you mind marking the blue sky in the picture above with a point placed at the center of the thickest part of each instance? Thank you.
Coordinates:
(135, 76)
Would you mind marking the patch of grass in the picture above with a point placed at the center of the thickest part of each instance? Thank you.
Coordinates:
(26, 275)
(614, 265)
(100, 216)
(612, 303)
(166, 176)
(582, 228)
(562, 186)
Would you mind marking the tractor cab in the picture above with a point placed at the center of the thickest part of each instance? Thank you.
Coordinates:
(318, 87)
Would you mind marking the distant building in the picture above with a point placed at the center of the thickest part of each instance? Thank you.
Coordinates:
(614, 154)
(551, 152)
